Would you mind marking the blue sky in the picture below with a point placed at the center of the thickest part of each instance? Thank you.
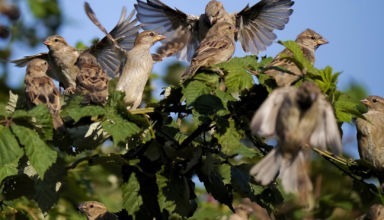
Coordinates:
(353, 28)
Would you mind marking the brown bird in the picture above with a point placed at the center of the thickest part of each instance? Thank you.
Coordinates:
(370, 130)
(96, 211)
(284, 71)
(137, 68)
(92, 81)
(375, 212)
(184, 32)
(62, 57)
(217, 47)
(300, 118)
(40, 89)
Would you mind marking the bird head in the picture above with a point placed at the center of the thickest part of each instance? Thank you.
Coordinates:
(311, 39)
(374, 102)
(213, 11)
(55, 42)
(148, 37)
(37, 67)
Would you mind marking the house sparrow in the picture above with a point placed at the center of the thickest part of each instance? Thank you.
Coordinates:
(96, 211)
(299, 117)
(40, 89)
(184, 32)
(137, 68)
(62, 57)
(284, 71)
(370, 130)
(217, 47)
(92, 81)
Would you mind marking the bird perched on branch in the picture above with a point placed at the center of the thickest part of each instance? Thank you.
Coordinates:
(285, 71)
(92, 81)
(370, 130)
(217, 47)
(96, 211)
(62, 57)
(40, 89)
(300, 118)
(184, 32)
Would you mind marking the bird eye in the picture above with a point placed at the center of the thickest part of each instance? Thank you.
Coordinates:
(313, 38)
(151, 34)
(91, 206)
(374, 100)
(56, 40)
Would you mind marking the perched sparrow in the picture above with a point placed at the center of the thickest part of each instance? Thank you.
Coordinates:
(184, 32)
(137, 68)
(96, 211)
(284, 71)
(92, 81)
(62, 57)
(217, 47)
(299, 117)
(40, 89)
(370, 130)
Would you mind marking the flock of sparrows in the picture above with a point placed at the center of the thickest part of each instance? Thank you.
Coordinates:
(207, 40)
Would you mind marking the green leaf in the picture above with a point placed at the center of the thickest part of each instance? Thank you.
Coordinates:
(132, 199)
(238, 77)
(174, 193)
(208, 104)
(346, 108)
(119, 128)
(8, 169)
(12, 103)
(10, 150)
(230, 142)
(42, 121)
(38, 152)
(76, 111)
(298, 57)
(195, 89)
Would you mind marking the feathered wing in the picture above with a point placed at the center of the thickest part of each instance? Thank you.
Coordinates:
(326, 133)
(264, 121)
(181, 30)
(109, 55)
(257, 23)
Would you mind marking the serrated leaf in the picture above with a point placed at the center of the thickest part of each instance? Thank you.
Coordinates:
(213, 180)
(298, 57)
(207, 104)
(10, 150)
(119, 128)
(42, 121)
(238, 77)
(193, 90)
(12, 103)
(8, 169)
(38, 152)
(231, 144)
(132, 199)
(174, 194)
(78, 112)
(346, 108)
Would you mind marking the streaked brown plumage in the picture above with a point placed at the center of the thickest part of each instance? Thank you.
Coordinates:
(96, 211)
(137, 68)
(184, 32)
(300, 118)
(287, 72)
(62, 57)
(370, 130)
(217, 47)
(40, 89)
(92, 81)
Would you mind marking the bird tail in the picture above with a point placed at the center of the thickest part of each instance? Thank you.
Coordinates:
(189, 73)
(292, 171)
(266, 170)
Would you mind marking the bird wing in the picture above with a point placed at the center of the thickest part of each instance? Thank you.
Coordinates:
(264, 121)
(109, 55)
(42, 90)
(52, 68)
(256, 24)
(326, 133)
(211, 46)
(181, 30)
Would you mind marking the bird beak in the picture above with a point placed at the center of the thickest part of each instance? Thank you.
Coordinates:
(46, 43)
(211, 20)
(365, 102)
(160, 37)
(322, 41)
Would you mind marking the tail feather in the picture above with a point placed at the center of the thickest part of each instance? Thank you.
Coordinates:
(189, 73)
(266, 170)
(294, 175)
